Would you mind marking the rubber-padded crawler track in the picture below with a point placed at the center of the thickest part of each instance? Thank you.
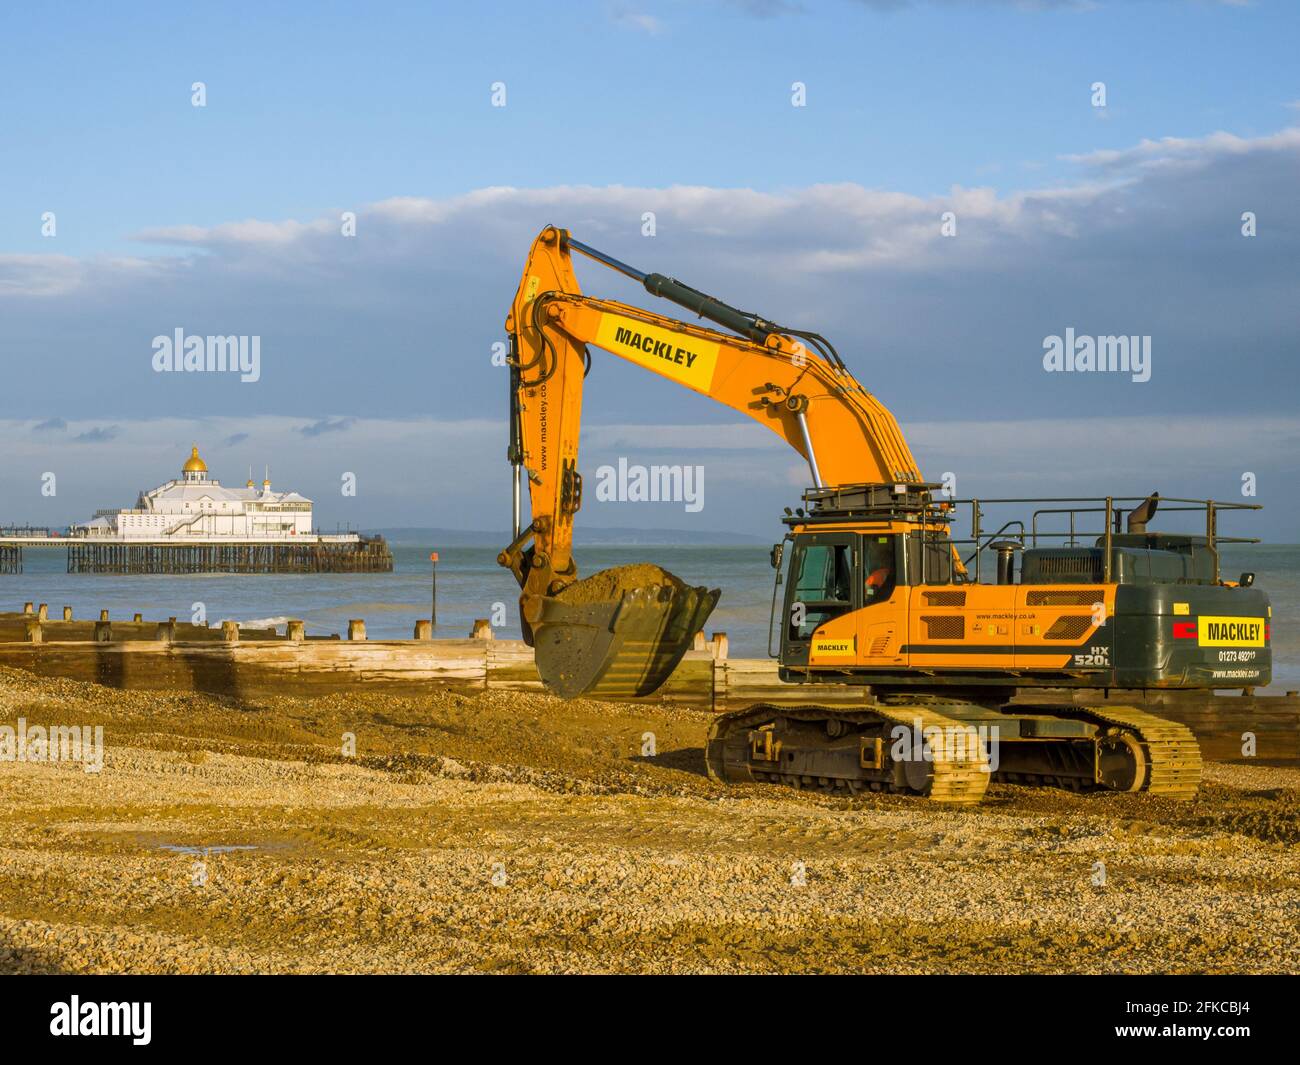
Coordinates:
(959, 763)
(1173, 755)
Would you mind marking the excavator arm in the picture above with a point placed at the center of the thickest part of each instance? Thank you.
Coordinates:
(610, 639)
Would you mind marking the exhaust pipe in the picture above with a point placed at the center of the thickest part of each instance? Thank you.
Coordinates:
(1006, 550)
(1143, 513)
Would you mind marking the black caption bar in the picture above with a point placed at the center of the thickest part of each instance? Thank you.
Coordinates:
(333, 1013)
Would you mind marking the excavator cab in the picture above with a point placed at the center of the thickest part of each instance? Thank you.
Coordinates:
(844, 590)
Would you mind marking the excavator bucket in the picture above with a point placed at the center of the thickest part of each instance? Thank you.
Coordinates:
(619, 633)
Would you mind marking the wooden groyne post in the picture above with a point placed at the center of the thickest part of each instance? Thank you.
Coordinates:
(433, 616)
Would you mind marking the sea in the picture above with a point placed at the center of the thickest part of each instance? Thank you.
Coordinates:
(471, 585)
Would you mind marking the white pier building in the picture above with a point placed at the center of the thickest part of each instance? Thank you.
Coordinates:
(197, 508)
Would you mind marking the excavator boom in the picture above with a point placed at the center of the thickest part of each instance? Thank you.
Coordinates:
(624, 634)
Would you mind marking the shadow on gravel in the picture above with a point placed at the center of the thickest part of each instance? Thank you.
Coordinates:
(23, 961)
(687, 759)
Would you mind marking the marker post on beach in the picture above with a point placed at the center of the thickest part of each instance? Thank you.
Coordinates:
(434, 559)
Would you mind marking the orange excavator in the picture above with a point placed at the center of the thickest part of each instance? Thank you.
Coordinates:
(955, 670)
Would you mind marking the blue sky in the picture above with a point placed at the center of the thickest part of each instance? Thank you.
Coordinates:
(223, 219)
(319, 106)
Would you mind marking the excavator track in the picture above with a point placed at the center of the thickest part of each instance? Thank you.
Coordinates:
(841, 750)
(954, 768)
(1173, 756)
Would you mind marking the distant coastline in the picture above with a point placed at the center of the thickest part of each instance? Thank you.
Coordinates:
(612, 537)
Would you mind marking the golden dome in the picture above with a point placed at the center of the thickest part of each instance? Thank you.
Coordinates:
(195, 464)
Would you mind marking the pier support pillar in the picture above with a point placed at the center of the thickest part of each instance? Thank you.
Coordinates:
(295, 631)
(423, 629)
(357, 629)
(230, 631)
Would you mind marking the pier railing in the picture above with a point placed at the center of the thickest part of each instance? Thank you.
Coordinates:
(122, 555)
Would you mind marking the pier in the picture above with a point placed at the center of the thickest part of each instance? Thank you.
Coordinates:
(323, 556)
(192, 524)
(316, 553)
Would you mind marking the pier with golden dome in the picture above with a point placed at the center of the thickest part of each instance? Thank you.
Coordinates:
(193, 524)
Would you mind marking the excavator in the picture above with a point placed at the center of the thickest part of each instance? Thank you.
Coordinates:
(964, 679)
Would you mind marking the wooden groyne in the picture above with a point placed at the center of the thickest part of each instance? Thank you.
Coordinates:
(248, 663)
(256, 663)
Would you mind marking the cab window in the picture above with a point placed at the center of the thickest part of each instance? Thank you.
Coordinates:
(823, 586)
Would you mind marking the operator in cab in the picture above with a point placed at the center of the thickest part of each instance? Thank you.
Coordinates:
(880, 580)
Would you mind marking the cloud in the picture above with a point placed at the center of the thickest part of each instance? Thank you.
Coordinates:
(397, 325)
(1022, 5)
(1188, 151)
(39, 275)
(773, 8)
(252, 231)
(767, 8)
(50, 425)
(233, 439)
(47, 278)
(98, 435)
(636, 20)
(326, 425)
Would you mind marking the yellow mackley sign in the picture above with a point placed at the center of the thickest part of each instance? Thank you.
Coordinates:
(824, 646)
(683, 358)
(1230, 632)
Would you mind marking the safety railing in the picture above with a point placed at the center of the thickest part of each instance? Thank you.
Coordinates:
(1115, 511)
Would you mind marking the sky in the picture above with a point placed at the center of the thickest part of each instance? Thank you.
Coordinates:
(960, 182)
